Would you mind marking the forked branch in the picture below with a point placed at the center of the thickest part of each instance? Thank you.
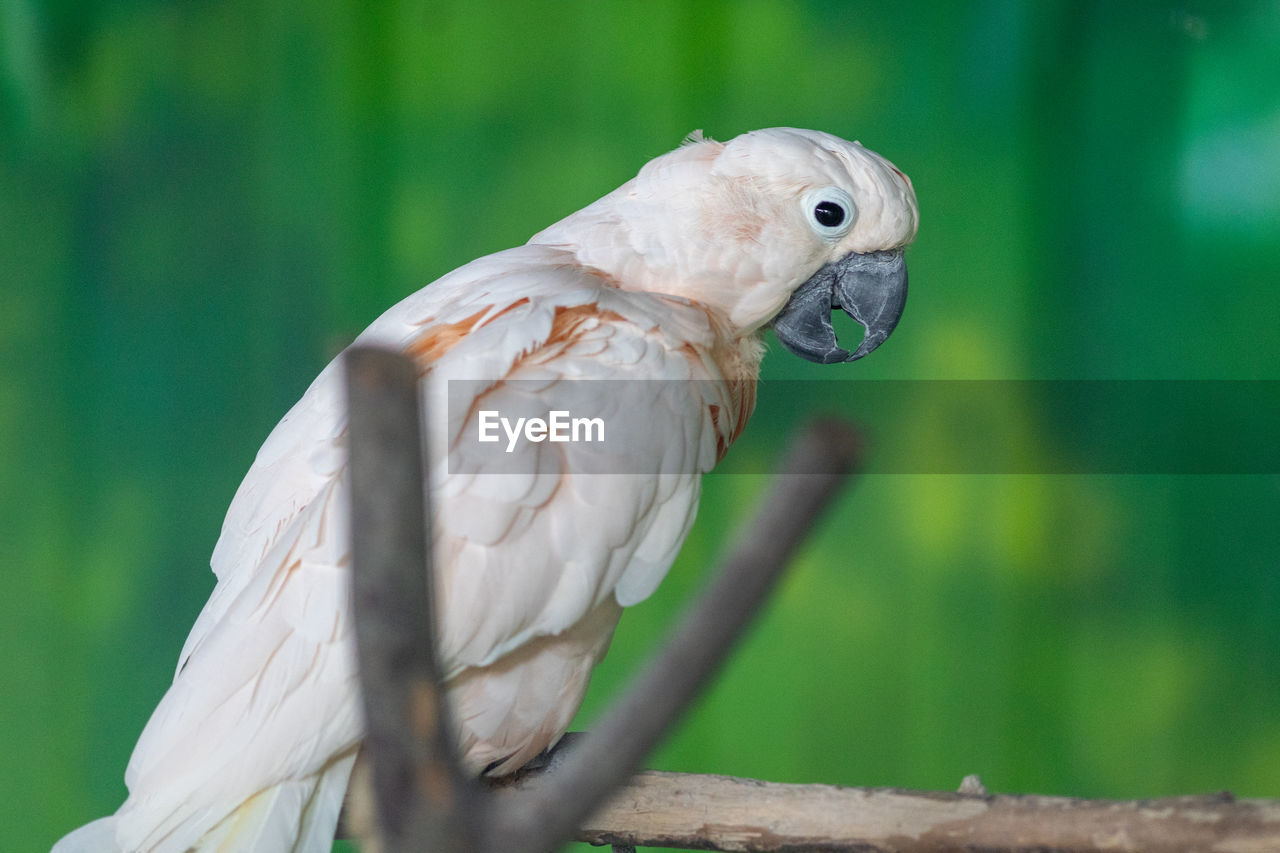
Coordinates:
(423, 799)
(592, 792)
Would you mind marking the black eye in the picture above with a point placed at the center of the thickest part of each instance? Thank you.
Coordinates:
(828, 214)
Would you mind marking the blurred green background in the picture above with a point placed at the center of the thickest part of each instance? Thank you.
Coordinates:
(201, 203)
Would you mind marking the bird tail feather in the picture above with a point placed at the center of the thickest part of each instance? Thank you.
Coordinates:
(96, 837)
(295, 816)
(292, 817)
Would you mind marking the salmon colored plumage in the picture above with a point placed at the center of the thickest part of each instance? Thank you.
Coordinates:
(673, 276)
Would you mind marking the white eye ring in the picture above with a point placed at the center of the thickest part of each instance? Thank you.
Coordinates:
(829, 212)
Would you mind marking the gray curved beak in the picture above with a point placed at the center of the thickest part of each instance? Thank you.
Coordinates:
(871, 288)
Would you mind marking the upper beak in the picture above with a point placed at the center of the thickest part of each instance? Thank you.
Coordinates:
(871, 288)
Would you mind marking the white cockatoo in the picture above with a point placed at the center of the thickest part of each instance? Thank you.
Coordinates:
(672, 276)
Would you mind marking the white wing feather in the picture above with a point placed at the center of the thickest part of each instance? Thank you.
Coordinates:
(531, 566)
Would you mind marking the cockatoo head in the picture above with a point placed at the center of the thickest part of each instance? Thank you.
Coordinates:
(776, 226)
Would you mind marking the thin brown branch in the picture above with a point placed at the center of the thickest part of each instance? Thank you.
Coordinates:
(687, 810)
(422, 800)
(424, 803)
(546, 815)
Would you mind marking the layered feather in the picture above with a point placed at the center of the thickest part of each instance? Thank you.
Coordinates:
(534, 564)
(664, 284)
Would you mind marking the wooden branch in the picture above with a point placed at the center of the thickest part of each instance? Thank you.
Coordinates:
(547, 815)
(425, 804)
(723, 813)
(421, 798)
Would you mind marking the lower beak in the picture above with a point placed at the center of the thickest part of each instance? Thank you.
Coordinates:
(871, 288)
